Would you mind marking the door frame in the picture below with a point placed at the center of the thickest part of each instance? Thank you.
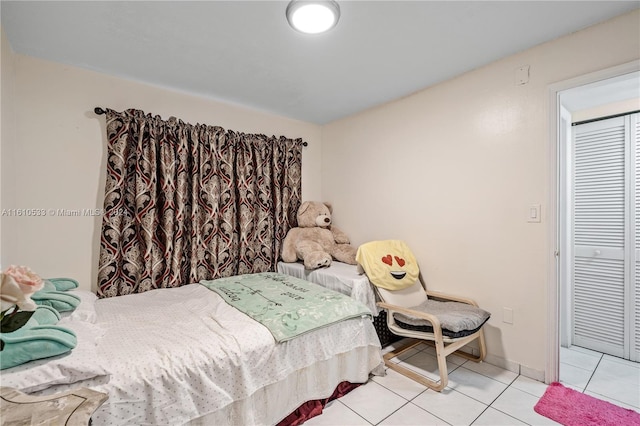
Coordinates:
(552, 365)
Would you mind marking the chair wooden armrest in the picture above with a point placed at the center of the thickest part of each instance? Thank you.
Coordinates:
(450, 297)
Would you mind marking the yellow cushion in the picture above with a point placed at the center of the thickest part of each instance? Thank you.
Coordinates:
(389, 264)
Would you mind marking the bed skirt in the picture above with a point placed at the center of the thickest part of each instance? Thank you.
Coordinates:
(272, 404)
(310, 409)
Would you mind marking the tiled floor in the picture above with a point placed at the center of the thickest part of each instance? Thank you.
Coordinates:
(603, 376)
(478, 394)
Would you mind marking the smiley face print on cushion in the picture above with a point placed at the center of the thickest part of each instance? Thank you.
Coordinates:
(389, 264)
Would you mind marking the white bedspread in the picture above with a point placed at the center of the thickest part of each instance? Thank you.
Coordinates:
(339, 277)
(180, 354)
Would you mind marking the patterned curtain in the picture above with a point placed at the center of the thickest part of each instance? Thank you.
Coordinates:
(187, 202)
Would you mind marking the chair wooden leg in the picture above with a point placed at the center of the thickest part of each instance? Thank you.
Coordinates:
(436, 386)
(402, 349)
(482, 349)
(466, 355)
(441, 354)
(442, 366)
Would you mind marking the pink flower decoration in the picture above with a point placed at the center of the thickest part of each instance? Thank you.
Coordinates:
(17, 284)
(28, 280)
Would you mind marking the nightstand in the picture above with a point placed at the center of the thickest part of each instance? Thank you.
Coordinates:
(67, 408)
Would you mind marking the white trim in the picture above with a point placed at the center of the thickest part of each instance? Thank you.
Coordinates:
(552, 365)
(565, 211)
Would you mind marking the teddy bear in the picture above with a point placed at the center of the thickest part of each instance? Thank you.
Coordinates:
(315, 241)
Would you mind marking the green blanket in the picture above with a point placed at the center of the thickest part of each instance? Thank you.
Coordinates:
(286, 305)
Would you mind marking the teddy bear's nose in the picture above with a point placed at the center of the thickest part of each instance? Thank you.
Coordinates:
(327, 220)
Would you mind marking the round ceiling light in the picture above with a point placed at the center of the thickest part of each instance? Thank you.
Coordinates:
(313, 17)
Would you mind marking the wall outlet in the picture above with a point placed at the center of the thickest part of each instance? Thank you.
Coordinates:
(507, 315)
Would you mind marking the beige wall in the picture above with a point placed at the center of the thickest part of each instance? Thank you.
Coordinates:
(606, 110)
(453, 170)
(58, 151)
(7, 133)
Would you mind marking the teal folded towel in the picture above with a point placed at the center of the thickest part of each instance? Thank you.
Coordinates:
(59, 300)
(64, 284)
(37, 339)
(44, 315)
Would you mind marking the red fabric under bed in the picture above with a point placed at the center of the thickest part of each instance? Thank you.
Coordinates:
(314, 408)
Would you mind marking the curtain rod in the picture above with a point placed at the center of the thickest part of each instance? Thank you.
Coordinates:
(100, 111)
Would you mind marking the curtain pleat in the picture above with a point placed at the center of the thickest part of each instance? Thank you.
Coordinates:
(187, 202)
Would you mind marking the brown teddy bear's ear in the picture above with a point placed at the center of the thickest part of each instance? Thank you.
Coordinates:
(303, 208)
(328, 206)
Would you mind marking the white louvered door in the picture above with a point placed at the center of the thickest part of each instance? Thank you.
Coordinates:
(606, 293)
(634, 303)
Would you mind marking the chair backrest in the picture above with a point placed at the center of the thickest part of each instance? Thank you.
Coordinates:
(407, 297)
(393, 270)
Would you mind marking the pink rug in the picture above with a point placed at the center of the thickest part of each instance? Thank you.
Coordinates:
(573, 408)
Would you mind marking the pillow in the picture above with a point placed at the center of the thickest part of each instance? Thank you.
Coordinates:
(389, 264)
(86, 309)
(456, 319)
(79, 364)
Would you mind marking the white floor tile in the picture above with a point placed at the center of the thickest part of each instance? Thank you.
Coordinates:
(451, 406)
(613, 401)
(373, 401)
(424, 346)
(626, 362)
(519, 404)
(452, 359)
(493, 417)
(405, 355)
(574, 376)
(336, 413)
(617, 381)
(475, 385)
(584, 359)
(394, 345)
(489, 370)
(427, 365)
(472, 387)
(530, 386)
(412, 415)
(403, 386)
(584, 350)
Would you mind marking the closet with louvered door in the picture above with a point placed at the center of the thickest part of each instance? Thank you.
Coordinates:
(606, 236)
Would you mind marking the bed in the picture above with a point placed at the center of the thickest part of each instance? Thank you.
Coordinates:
(185, 356)
(339, 277)
(346, 279)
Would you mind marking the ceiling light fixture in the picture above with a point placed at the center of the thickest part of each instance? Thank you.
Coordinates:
(313, 17)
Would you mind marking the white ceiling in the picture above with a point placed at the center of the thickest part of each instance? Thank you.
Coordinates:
(245, 53)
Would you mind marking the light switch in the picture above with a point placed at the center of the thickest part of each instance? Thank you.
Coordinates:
(534, 213)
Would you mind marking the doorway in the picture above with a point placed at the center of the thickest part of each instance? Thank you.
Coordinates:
(599, 290)
(594, 94)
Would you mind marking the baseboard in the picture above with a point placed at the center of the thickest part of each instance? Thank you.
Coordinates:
(515, 367)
